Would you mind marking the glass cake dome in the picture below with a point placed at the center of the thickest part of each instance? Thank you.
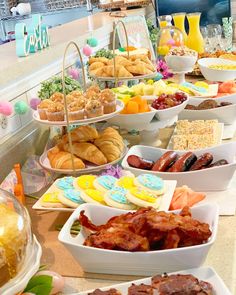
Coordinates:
(18, 246)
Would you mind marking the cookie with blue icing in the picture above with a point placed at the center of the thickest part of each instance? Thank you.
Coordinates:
(151, 183)
(116, 198)
(104, 183)
(71, 198)
(65, 183)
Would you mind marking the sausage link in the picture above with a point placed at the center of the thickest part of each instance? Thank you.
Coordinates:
(218, 163)
(203, 161)
(183, 163)
(140, 163)
(165, 161)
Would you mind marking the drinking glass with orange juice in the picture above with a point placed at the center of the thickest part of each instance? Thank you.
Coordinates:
(179, 22)
(195, 40)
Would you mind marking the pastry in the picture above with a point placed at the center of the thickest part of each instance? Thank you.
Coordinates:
(51, 200)
(93, 196)
(65, 183)
(108, 100)
(76, 110)
(143, 198)
(84, 182)
(57, 97)
(42, 108)
(138, 69)
(62, 160)
(71, 198)
(121, 61)
(126, 182)
(104, 183)
(103, 60)
(87, 151)
(81, 134)
(94, 88)
(110, 143)
(96, 65)
(76, 93)
(116, 198)
(150, 183)
(93, 109)
(55, 112)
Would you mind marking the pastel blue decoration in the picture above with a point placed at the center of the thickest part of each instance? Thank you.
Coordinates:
(30, 39)
(93, 42)
(78, 64)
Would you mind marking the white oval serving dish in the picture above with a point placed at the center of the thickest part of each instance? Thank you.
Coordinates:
(212, 179)
(136, 263)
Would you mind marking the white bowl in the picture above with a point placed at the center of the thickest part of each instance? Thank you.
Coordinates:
(133, 121)
(181, 63)
(212, 179)
(226, 114)
(216, 75)
(166, 114)
(135, 263)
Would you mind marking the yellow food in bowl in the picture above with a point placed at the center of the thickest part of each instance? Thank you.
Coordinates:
(223, 67)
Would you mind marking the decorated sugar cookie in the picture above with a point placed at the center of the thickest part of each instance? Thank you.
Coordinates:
(71, 198)
(104, 183)
(143, 198)
(117, 198)
(126, 182)
(93, 196)
(151, 183)
(84, 182)
(51, 200)
(65, 183)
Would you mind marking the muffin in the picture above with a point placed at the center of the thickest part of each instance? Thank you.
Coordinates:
(57, 97)
(94, 108)
(108, 100)
(94, 88)
(76, 110)
(42, 108)
(76, 93)
(55, 112)
(91, 94)
(70, 98)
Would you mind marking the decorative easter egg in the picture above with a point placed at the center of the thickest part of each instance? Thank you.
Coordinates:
(6, 108)
(21, 107)
(87, 50)
(58, 281)
(74, 73)
(93, 42)
(34, 102)
(78, 63)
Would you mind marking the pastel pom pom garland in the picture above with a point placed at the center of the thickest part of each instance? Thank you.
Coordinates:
(87, 50)
(74, 73)
(6, 108)
(21, 107)
(34, 102)
(93, 42)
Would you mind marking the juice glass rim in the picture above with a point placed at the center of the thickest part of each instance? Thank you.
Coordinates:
(194, 13)
(179, 13)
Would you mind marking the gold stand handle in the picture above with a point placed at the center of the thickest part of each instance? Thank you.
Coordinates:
(113, 46)
(64, 93)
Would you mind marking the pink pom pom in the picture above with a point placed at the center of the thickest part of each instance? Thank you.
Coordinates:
(87, 50)
(6, 108)
(34, 102)
(74, 73)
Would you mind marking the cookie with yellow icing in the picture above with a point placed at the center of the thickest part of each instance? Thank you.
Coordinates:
(143, 198)
(84, 182)
(151, 183)
(116, 198)
(93, 196)
(51, 200)
(126, 182)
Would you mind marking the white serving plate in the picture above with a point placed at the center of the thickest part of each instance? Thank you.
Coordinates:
(218, 139)
(166, 198)
(29, 269)
(216, 75)
(44, 162)
(136, 263)
(119, 108)
(139, 121)
(206, 274)
(212, 179)
(226, 114)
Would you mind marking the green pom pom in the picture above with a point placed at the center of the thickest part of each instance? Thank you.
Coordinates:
(122, 49)
(21, 107)
(93, 42)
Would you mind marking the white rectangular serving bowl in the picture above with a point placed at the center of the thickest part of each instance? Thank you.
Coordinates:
(214, 74)
(212, 179)
(135, 263)
(226, 114)
(207, 274)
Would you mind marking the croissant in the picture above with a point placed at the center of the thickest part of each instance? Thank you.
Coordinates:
(98, 59)
(138, 69)
(62, 160)
(80, 134)
(110, 143)
(89, 152)
(96, 65)
(121, 61)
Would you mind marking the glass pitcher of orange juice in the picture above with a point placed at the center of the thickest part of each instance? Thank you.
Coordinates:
(195, 40)
(179, 22)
